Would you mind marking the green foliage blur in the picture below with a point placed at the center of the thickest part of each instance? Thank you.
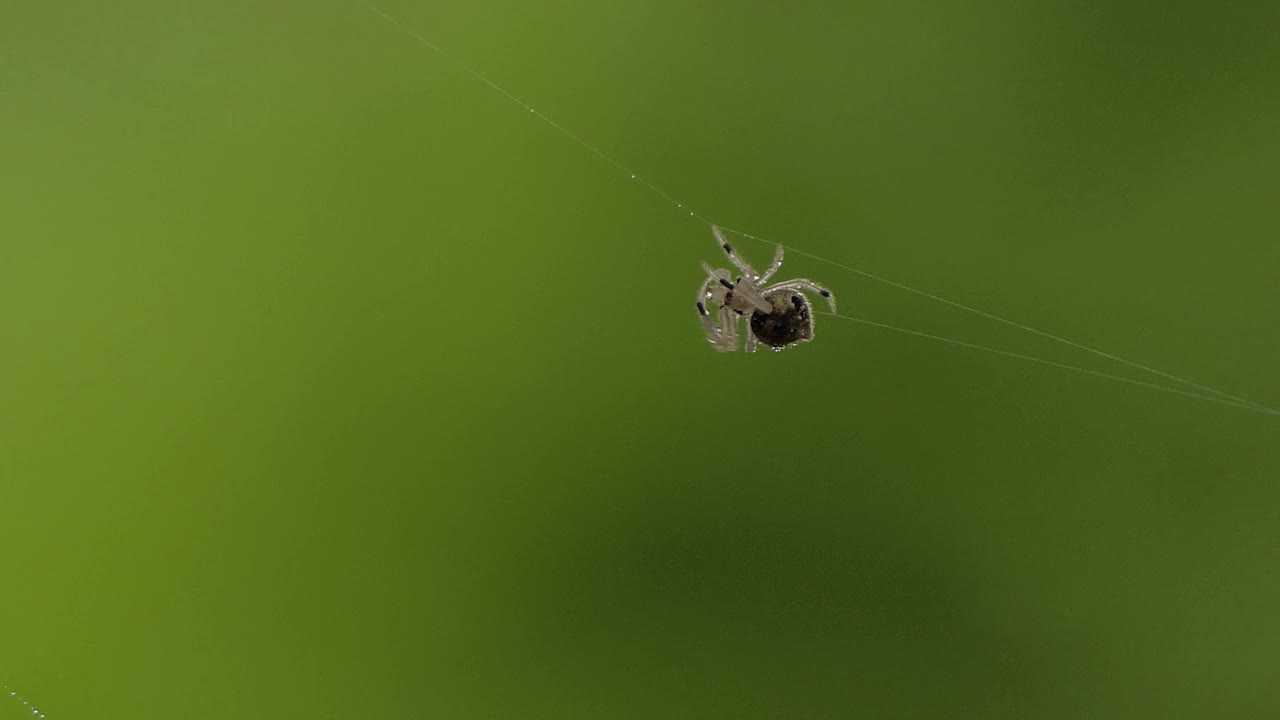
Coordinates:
(334, 384)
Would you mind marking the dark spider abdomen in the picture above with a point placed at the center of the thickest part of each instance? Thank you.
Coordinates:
(790, 321)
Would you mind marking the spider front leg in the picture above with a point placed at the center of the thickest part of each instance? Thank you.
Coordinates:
(723, 335)
(708, 325)
(803, 284)
(773, 266)
(723, 291)
(743, 266)
(728, 330)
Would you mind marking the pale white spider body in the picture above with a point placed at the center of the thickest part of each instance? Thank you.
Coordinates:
(778, 315)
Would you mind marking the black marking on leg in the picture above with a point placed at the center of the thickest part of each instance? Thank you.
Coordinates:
(728, 248)
(726, 283)
(824, 293)
(702, 309)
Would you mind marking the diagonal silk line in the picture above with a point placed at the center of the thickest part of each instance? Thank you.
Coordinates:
(1052, 363)
(469, 69)
(1015, 324)
(544, 118)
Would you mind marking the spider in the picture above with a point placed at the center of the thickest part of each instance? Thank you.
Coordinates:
(780, 315)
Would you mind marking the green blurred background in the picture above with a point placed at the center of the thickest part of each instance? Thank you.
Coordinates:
(333, 384)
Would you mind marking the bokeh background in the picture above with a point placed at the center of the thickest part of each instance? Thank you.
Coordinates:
(333, 384)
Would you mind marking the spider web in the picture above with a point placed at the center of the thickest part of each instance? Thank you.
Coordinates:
(16, 702)
(1189, 388)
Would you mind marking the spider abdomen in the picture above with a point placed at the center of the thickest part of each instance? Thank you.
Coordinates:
(789, 323)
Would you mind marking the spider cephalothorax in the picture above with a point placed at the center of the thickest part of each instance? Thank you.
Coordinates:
(779, 314)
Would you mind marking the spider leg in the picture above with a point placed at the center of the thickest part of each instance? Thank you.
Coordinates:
(751, 292)
(717, 275)
(719, 279)
(751, 339)
(721, 334)
(803, 284)
(729, 329)
(708, 325)
(773, 266)
(743, 266)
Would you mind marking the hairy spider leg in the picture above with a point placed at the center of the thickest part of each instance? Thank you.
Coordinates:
(728, 329)
(803, 284)
(773, 266)
(708, 324)
(734, 257)
(722, 331)
(747, 290)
